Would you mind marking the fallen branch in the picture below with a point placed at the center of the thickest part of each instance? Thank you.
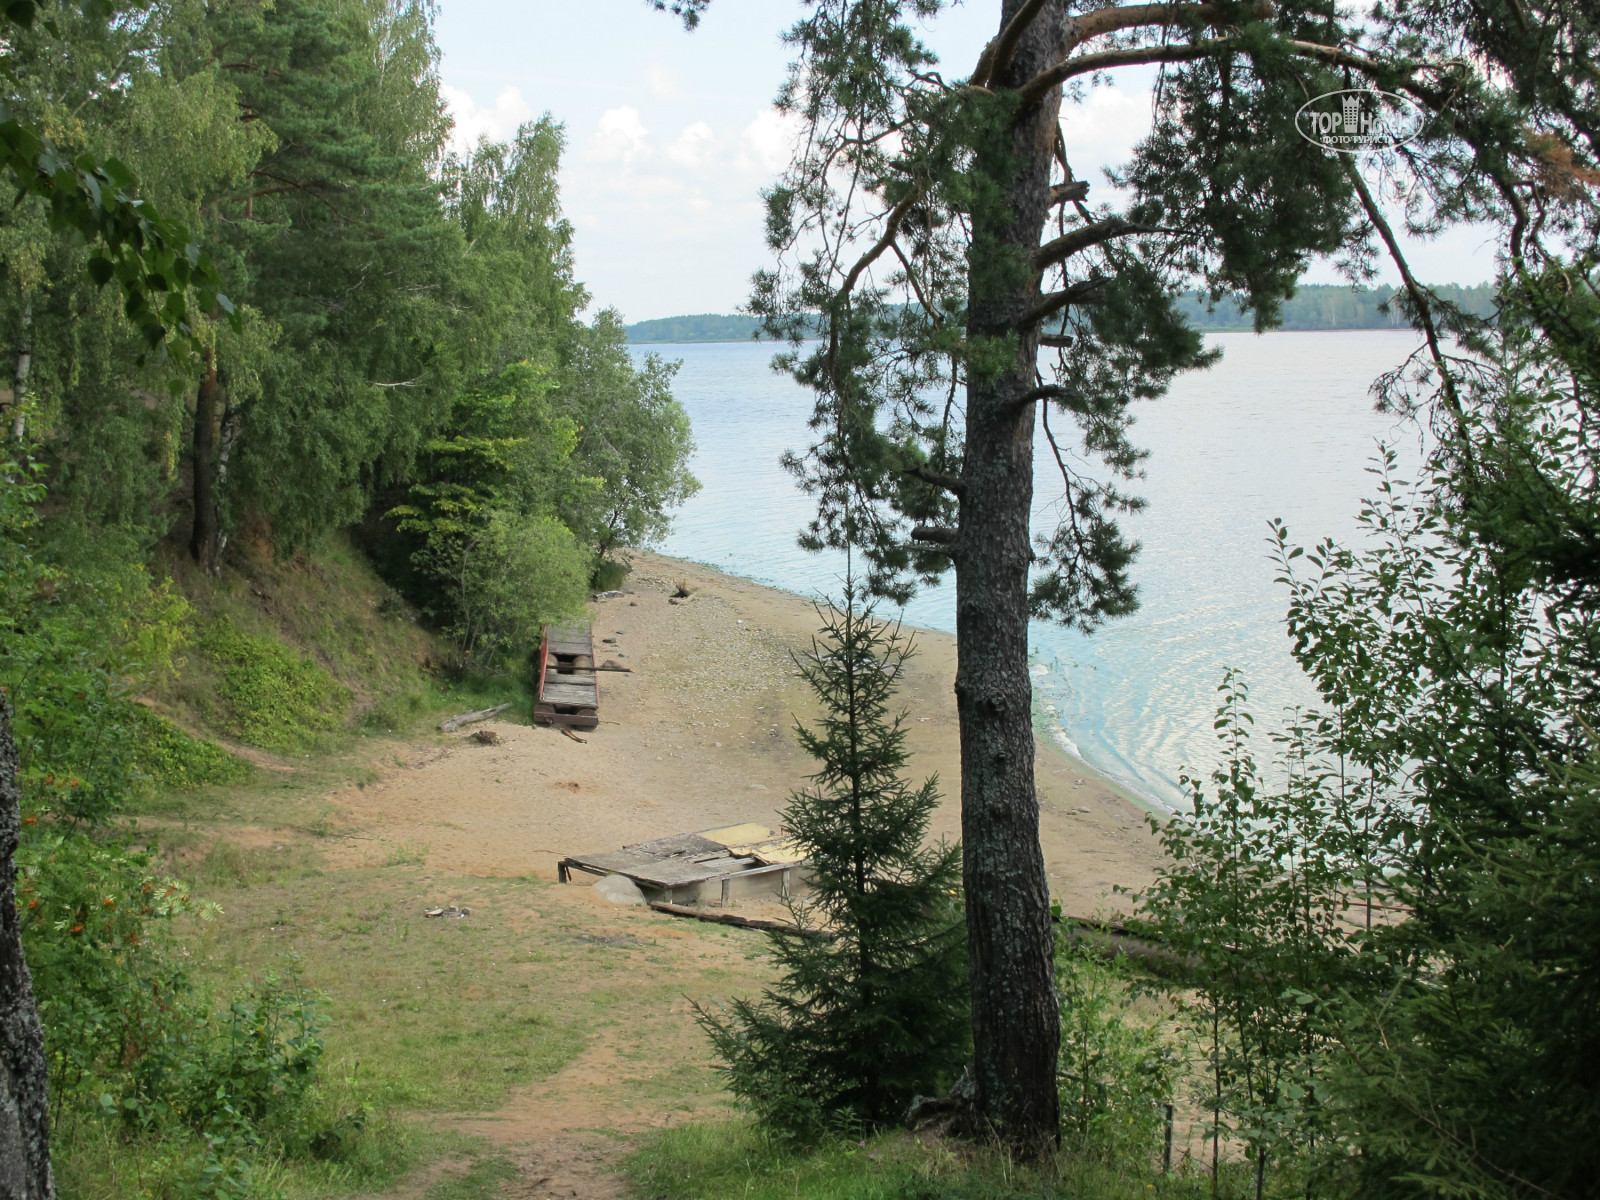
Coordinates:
(483, 714)
(1112, 941)
(572, 735)
(727, 918)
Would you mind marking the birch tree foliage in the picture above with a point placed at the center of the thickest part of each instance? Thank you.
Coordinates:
(159, 267)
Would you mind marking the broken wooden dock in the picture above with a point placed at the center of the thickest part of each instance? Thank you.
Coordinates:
(713, 864)
(569, 691)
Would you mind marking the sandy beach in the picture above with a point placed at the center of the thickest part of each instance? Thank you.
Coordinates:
(701, 734)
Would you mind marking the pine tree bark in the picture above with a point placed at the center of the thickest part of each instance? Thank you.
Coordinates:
(203, 535)
(1015, 1019)
(24, 1106)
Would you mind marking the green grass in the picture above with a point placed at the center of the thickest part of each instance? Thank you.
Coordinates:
(711, 1160)
(174, 760)
(425, 1016)
(428, 1013)
(290, 653)
(268, 695)
(481, 1180)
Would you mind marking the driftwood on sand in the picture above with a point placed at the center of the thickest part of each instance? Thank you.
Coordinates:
(483, 714)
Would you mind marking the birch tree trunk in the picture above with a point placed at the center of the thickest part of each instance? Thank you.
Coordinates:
(203, 536)
(24, 366)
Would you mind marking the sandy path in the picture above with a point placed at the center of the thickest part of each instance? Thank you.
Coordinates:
(700, 734)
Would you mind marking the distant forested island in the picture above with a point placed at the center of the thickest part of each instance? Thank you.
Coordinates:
(1314, 306)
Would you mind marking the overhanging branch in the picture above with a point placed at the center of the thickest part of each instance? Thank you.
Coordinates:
(1086, 236)
(891, 229)
(1133, 16)
(1054, 302)
(1106, 60)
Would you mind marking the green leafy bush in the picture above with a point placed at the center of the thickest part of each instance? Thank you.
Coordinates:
(1116, 1072)
(92, 911)
(609, 575)
(272, 697)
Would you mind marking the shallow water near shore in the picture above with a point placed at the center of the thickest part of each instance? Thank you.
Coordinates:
(1282, 427)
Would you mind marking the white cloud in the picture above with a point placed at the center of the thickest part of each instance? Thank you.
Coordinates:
(474, 121)
(771, 139)
(694, 147)
(1101, 131)
(620, 136)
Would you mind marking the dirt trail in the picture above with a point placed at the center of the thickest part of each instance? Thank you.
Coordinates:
(700, 734)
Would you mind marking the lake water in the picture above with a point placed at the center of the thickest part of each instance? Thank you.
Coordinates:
(1282, 427)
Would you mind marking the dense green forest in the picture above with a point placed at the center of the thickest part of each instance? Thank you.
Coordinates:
(1313, 306)
(390, 372)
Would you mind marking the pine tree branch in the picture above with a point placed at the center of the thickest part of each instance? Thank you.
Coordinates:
(937, 534)
(1336, 57)
(953, 484)
(1047, 391)
(891, 229)
(1054, 302)
(996, 56)
(1086, 236)
(1133, 16)
(1068, 192)
(1106, 60)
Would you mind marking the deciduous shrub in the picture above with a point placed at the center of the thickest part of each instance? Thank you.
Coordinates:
(1117, 1072)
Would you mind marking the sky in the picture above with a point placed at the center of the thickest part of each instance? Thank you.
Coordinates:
(672, 135)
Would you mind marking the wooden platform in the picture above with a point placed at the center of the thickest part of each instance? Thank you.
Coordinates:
(748, 858)
(569, 692)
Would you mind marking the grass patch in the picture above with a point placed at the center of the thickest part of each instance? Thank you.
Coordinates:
(436, 1014)
(736, 1158)
(481, 1181)
(232, 866)
(96, 1160)
(407, 854)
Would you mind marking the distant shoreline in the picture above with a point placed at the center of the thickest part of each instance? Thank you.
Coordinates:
(1208, 329)
(1314, 308)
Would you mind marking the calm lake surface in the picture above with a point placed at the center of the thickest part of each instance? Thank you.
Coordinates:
(1282, 427)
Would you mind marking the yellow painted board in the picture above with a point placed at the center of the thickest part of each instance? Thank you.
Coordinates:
(738, 835)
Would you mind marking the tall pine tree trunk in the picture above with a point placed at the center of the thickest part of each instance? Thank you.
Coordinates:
(24, 1108)
(1015, 1019)
(204, 534)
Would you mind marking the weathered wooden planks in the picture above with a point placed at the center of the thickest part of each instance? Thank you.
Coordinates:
(568, 693)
